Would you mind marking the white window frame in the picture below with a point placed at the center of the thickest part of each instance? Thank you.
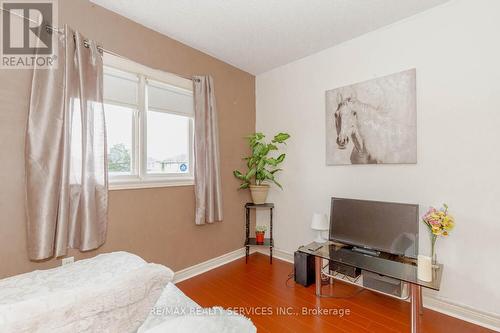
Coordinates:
(139, 177)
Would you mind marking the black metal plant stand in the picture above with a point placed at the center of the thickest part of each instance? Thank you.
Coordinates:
(251, 241)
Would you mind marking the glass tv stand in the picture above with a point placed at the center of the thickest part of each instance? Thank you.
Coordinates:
(403, 269)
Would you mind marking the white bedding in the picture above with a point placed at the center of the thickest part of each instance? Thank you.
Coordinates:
(211, 320)
(112, 292)
(171, 303)
(174, 312)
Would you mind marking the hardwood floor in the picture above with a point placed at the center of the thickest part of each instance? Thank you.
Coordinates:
(260, 291)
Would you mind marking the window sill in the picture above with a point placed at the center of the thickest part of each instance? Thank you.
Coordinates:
(131, 185)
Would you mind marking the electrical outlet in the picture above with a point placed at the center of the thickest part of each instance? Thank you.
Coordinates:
(68, 261)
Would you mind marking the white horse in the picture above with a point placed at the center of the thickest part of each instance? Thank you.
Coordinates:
(376, 136)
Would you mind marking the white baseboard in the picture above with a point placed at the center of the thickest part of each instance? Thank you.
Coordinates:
(208, 265)
(463, 312)
(278, 254)
(432, 302)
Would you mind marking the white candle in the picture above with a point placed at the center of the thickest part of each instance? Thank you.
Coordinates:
(424, 271)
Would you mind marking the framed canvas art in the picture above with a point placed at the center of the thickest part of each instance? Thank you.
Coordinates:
(373, 122)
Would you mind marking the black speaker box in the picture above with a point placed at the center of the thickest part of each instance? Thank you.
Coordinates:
(344, 269)
(303, 268)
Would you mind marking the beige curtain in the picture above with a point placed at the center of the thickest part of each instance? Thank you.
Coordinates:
(66, 167)
(208, 189)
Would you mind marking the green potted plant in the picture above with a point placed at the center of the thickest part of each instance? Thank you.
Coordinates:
(262, 167)
(260, 230)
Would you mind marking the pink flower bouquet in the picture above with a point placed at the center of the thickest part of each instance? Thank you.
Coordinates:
(440, 223)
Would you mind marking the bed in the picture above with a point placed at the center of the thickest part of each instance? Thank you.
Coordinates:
(113, 292)
(174, 312)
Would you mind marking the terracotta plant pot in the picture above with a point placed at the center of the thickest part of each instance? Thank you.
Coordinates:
(259, 237)
(259, 193)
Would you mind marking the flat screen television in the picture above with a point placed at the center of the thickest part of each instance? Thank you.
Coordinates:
(373, 225)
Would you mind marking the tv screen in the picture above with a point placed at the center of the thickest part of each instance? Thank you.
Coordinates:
(381, 226)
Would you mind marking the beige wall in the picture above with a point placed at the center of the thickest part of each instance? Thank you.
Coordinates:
(157, 224)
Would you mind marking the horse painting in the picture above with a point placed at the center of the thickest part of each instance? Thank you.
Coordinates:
(377, 127)
(348, 128)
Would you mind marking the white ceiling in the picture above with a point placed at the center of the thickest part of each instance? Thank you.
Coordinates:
(259, 35)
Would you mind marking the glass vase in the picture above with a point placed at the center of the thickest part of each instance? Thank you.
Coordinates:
(433, 251)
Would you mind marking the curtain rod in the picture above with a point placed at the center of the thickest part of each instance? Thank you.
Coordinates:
(103, 50)
(86, 43)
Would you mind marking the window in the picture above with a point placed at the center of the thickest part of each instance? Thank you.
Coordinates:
(150, 121)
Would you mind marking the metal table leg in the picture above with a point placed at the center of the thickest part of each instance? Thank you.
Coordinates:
(318, 262)
(416, 291)
(421, 301)
(271, 235)
(247, 233)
